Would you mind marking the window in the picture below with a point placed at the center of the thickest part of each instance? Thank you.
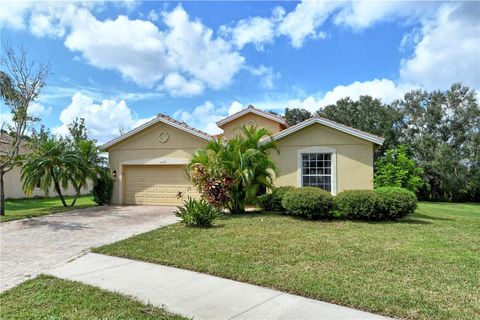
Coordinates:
(317, 170)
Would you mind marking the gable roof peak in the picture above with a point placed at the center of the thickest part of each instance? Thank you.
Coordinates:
(252, 109)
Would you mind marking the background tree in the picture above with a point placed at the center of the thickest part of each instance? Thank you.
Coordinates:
(78, 130)
(296, 115)
(441, 129)
(397, 169)
(21, 81)
(369, 115)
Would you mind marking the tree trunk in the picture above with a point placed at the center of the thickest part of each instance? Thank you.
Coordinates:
(2, 194)
(78, 189)
(58, 189)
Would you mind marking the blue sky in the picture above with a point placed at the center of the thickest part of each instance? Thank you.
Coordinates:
(120, 63)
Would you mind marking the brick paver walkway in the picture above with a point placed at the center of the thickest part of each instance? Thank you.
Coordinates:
(32, 246)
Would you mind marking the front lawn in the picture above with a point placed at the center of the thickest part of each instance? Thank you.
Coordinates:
(47, 297)
(30, 207)
(425, 267)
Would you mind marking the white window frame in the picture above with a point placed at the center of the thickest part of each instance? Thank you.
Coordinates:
(318, 149)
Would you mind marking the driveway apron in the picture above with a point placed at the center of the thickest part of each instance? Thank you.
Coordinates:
(32, 246)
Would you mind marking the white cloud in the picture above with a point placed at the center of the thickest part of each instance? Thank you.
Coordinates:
(384, 89)
(363, 14)
(203, 117)
(448, 49)
(137, 49)
(153, 15)
(304, 21)
(235, 107)
(256, 30)
(179, 86)
(266, 74)
(38, 110)
(143, 53)
(191, 45)
(102, 120)
(12, 14)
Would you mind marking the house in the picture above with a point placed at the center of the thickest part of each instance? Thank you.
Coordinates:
(12, 179)
(148, 163)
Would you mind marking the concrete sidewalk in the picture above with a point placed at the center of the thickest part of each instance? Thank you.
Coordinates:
(198, 295)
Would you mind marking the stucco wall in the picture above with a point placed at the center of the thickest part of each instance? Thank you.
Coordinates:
(13, 187)
(146, 147)
(354, 157)
(232, 128)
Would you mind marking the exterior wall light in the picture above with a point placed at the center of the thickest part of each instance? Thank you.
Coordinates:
(114, 173)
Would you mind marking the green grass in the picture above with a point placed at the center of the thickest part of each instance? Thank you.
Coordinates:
(424, 267)
(28, 208)
(46, 297)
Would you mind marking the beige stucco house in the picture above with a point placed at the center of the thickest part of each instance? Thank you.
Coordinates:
(148, 162)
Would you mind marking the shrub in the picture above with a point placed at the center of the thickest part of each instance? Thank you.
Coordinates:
(197, 213)
(273, 201)
(102, 190)
(398, 202)
(360, 204)
(309, 202)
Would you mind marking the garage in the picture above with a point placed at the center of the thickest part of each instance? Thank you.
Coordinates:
(164, 185)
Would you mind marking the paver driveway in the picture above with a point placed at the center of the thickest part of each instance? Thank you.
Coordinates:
(32, 246)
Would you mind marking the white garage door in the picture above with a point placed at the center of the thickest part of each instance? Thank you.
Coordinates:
(157, 185)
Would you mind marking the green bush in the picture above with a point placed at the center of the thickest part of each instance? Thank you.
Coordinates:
(102, 190)
(273, 201)
(197, 213)
(309, 202)
(398, 202)
(360, 205)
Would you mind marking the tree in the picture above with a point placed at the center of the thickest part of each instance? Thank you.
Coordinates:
(78, 130)
(230, 173)
(91, 164)
(296, 115)
(369, 115)
(442, 129)
(50, 161)
(397, 169)
(21, 81)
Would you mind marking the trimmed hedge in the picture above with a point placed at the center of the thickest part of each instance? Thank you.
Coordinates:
(386, 203)
(398, 202)
(360, 205)
(309, 202)
(273, 201)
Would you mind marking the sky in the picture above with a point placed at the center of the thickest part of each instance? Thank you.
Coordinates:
(119, 64)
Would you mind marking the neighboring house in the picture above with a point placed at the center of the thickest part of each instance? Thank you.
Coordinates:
(12, 179)
(148, 163)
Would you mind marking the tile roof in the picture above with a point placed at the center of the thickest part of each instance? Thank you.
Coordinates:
(332, 124)
(183, 124)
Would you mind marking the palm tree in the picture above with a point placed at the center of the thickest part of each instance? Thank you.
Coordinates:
(50, 162)
(244, 161)
(90, 167)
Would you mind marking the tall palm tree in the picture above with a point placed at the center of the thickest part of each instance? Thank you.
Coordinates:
(50, 162)
(244, 160)
(90, 167)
